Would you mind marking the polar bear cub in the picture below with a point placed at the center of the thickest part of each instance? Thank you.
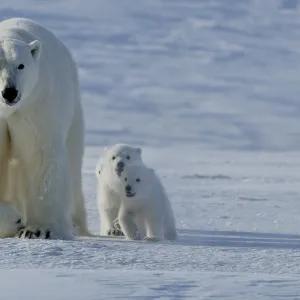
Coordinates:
(108, 172)
(144, 205)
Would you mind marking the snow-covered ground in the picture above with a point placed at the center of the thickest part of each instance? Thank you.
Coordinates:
(210, 90)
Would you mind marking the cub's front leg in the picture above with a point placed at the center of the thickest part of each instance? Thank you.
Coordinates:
(154, 226)
(108, 205)
(108, 227)
(127, 224)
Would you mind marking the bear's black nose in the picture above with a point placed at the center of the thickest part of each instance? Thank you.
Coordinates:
(10, 94)
(128, 188)
(120, 165)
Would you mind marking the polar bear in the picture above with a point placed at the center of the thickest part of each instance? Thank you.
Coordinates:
(108, 173)
(41, 133)
(144, 205)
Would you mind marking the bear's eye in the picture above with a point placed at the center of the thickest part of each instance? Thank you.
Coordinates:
(21, 67)
(138, 180)
(113, 158)
(128, 157)
(125, 178)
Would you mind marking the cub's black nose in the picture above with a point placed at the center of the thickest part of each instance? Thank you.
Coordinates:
(128, 188)
(120, 165)
(9, 94)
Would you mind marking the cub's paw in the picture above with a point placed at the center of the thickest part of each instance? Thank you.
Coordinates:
(117, 224)
(152, 239)
(33, 233)
(115, 232)
(133, 237)
(171, 236)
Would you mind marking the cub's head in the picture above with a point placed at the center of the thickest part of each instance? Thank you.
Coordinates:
(136, 180)
(120, 155)
(19, 73)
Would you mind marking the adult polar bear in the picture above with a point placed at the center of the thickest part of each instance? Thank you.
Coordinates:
(41, 133)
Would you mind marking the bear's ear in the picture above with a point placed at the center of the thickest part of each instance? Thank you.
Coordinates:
(36, 49)
(139, 151)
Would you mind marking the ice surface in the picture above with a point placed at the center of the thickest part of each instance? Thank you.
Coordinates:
(210, 90)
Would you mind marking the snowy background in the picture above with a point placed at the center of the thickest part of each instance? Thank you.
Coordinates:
(210, 90)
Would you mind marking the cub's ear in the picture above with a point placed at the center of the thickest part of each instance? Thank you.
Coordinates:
(139, 151)
(151, 170)
(99, 167)
(105, 150)
(36, 49)
(97, 171)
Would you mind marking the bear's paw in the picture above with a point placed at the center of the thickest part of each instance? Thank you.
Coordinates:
(151, 239)
(29, 232)
(115, 232)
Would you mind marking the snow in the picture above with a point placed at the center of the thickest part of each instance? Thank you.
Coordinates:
(64, 285)
(210, 90)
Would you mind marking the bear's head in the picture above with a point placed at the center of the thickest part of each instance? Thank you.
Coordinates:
(19, 73)
(118, 156)
(137, 180)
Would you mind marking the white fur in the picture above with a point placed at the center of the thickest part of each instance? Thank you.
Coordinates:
(42, 135)
(9, 220)
(108, 198)
(148, 209)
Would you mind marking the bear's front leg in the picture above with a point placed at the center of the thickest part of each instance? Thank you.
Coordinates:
(10, 220)
(48, 204)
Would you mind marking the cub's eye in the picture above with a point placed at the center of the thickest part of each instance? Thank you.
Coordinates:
(21, 67)
(125, 178)
(113, 158)
(128, 157)
(138, 180)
